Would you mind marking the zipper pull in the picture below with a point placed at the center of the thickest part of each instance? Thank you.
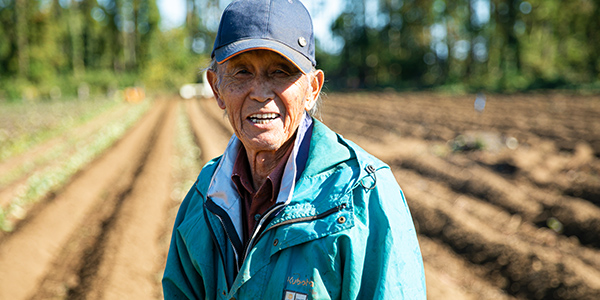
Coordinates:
(371, 171)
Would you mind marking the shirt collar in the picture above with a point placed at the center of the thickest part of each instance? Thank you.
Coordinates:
(223, 192)
(242, 175)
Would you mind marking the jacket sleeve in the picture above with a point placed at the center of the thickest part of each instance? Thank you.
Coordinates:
(386, 260)
(180, 278)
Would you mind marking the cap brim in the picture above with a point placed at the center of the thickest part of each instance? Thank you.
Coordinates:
(230, 50)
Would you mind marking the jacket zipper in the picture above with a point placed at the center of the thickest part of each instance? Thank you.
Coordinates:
(253, 241)
(370, 172)
(263, 218)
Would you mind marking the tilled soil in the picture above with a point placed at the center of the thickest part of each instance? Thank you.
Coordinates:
(104, 235)
(47, 254)
(505, 198)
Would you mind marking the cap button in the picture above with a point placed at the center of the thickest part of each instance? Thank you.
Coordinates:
(301, 41)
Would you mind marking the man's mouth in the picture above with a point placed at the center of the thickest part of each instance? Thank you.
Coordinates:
(263, 118)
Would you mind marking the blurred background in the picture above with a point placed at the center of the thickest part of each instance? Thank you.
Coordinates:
(52, 48)
(487, 112)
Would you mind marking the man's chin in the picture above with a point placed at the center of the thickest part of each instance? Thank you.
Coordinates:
(262, 144)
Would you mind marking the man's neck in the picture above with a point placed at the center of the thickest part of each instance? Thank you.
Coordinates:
(262, 163)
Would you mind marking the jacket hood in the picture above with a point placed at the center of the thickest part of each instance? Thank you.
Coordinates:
(326, 151)
(329, 149)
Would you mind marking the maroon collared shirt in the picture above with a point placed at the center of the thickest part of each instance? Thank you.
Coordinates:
(256, 202)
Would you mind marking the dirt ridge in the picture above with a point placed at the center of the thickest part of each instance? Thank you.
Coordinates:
(26, 255)
(95, 252)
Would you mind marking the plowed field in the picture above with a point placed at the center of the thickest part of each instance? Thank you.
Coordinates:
(504, 192)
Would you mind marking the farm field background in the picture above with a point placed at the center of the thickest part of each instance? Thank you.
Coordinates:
(504, 190)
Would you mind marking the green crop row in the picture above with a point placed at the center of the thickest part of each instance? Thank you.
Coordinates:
(50, 179)
(186, 162)
(69, 141)
(24, 125)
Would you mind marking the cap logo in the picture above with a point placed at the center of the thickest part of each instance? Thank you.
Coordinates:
(301, 41)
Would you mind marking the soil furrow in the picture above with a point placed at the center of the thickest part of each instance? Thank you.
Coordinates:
(94, 250)
(449, 276)
(40, 152)
(450, 113)
(211, 140)
(465, 177)
(27, 255)
(479, 184)
(129, 255)
(500, 220)
(503, 211)
(216, 114)
(515, 217)
(577, 217)
(521, 269)
(46, 154)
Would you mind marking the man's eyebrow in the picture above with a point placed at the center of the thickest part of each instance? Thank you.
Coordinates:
(235, 64)
(287, 66)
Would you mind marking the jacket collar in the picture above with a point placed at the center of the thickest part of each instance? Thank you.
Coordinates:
(222, 190)
(326, 151)
(329, 149)
(323, 140)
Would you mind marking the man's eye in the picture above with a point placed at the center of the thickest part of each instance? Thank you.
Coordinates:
(242, 72)
(280, 72)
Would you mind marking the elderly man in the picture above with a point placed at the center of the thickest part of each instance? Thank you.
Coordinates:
(291, 210)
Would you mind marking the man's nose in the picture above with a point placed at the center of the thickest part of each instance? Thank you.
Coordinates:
(262, 90)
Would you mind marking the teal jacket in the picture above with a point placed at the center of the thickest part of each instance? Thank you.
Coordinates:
(347, 233)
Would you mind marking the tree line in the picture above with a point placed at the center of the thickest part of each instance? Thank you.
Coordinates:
(58, 47)
(501, 45)
(55, 48)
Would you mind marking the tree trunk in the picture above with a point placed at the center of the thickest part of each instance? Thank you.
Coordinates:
(76, 40)
(22, 37)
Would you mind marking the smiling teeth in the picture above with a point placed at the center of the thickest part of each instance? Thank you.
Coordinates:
(263, 118)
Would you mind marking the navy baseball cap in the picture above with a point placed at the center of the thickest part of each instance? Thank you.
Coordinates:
(282, 26)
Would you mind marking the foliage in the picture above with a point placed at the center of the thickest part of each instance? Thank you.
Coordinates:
(499, 45)
(468, 45)
(172, 63)
(60, 46)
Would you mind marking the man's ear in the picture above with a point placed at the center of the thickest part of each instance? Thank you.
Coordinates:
(316, 84)
(213, 81)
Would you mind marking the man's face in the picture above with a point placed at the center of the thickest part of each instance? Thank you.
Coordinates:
(265, 96)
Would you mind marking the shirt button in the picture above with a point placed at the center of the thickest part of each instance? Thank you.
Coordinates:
(341, 220)
(256, 217)
(275, 242)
